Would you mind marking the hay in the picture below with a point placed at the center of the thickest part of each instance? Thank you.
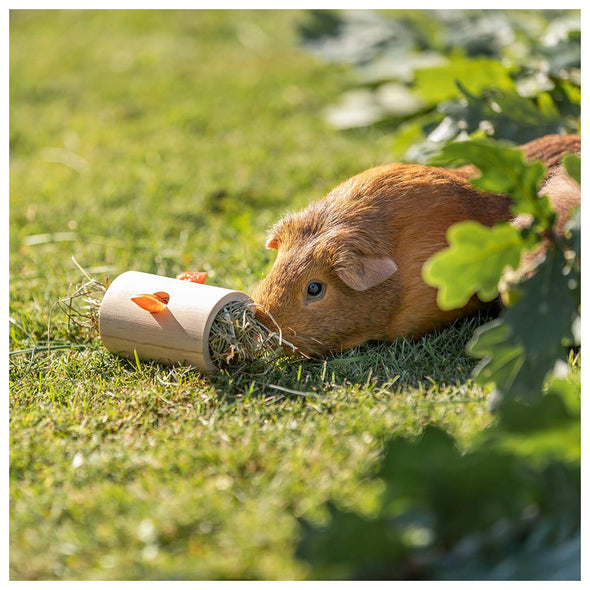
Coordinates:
(238, 340)
(82, 307)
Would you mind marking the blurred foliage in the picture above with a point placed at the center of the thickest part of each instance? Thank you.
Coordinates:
(437, 75)
(490, 513)
(508, 508)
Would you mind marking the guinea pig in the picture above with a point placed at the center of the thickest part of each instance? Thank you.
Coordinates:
(349, 267)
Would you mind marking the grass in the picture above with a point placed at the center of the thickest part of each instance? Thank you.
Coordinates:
(168, 141)
(125, 471)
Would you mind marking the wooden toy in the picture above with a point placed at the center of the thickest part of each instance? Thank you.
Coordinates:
(165, 319)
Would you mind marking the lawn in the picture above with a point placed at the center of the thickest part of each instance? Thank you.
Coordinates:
(169, 141)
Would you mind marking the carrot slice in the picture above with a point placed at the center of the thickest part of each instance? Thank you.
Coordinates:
(151, 303)
(193, 277)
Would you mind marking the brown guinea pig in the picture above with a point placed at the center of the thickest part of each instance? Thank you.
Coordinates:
(349, 267)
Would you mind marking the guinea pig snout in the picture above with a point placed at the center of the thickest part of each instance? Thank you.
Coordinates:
(262, 312)
(262, 316)
(269, 310)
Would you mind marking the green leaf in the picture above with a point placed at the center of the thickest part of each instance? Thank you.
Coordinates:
(520, 348)
(568, 392)
(451, 492)
(320, 23)
(543, 431)
(493, 114)
(573, 164)
(406, 460)
(439, 83)
(502, 358)
(547, 106)
(549, 412)
(473, 263)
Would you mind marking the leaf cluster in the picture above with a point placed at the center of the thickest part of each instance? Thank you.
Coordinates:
(434, 76)
(542, 313)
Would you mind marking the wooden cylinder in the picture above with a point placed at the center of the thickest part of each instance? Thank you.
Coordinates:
(178, 334)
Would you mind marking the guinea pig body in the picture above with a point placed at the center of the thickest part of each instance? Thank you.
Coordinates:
(349, 267)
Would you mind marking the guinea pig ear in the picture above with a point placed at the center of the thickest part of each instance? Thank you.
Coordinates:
(363, 272)
(272, 243)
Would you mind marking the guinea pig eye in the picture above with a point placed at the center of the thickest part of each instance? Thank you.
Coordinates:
(315, 290)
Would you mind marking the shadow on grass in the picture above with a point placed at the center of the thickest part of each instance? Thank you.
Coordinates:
(437, 359)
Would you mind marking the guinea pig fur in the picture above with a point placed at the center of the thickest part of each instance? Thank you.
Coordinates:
(349, 267)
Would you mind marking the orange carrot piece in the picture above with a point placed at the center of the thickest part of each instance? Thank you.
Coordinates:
(193, 277)
(151, 303)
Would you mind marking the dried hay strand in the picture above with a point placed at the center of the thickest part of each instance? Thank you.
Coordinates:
(82, 307)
